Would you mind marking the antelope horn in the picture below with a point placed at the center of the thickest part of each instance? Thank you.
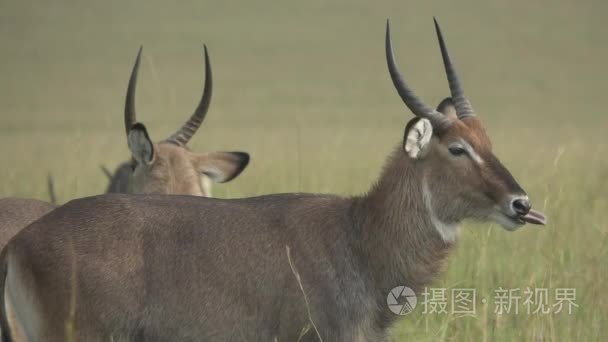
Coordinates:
(130, 118)
(183, 135)
(438, 120)
(462, 104)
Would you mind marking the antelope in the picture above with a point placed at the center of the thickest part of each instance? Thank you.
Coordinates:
(279, 267)
(169, 167)
(17, 213)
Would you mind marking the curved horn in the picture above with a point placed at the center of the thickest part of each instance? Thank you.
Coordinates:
(183, 135)
(408, 96)
(462, 104)
(130, 118)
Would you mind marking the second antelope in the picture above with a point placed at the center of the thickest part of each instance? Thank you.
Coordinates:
(16, 213)
(169, 167)
(282, 267)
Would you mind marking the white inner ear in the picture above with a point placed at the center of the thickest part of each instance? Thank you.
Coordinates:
(418, 137)
(140, 146)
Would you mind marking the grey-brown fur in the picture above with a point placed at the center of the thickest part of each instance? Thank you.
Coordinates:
(219, 270)
(16, 213)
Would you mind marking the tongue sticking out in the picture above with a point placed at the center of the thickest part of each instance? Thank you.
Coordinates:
(535, 217)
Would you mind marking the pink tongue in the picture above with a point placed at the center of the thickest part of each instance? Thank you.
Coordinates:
(535, 217)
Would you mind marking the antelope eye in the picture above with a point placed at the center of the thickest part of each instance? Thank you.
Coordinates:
(457, 150)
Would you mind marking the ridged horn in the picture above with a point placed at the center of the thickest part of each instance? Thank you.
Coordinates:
(130, 117)
(462, 104)
(438, 120)
(183, 135)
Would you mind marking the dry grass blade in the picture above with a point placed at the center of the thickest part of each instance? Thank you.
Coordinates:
(297, 275)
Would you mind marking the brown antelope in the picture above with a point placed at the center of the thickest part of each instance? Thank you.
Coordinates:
(17, 213)
(281, 267)
(169, 167)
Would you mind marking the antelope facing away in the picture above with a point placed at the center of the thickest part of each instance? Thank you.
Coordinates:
(169, 167)
(280, 267)
(17, 213)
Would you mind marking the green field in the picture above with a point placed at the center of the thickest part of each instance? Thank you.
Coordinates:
(303, 87)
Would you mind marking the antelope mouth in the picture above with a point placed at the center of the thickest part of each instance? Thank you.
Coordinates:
(534, 217)
(514, 222)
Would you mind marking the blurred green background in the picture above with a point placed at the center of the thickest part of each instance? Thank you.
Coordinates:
(303, 87)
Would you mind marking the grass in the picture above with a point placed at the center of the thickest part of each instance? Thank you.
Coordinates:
(303, 88)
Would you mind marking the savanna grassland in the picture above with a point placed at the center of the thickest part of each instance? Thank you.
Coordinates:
(303, 87)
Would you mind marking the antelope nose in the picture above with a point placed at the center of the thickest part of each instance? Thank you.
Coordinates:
(521, 206)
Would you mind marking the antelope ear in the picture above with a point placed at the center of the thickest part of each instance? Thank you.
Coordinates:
(418, 133)
(140, 144)
(221, 166)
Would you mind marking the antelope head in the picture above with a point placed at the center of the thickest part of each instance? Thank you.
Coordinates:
(461, 176)
(169, 167)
